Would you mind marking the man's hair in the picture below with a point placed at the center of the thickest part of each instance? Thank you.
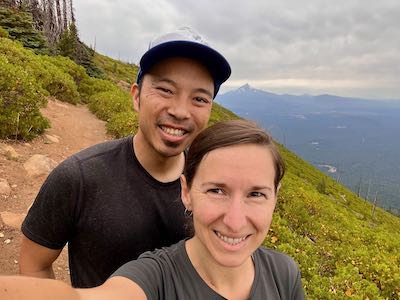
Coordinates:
(230, 133)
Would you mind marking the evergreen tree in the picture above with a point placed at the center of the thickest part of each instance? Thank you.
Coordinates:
(68, 42)
(19, 25)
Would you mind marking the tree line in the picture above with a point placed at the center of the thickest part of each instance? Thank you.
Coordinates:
(52, 17)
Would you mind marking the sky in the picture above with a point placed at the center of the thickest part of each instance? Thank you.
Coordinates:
(343, 47)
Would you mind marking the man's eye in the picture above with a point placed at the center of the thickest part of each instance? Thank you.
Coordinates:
(201, 100)
(164, 90)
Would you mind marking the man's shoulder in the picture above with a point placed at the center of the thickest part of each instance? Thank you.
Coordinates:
(103, 148)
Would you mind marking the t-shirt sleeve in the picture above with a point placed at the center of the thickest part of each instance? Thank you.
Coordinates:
(147, 273)
(298, 292)
(50, 219)
(289, 268)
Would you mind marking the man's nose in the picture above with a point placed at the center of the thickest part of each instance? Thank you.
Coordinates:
(180, 107)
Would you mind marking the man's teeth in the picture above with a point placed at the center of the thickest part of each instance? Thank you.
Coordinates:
(229, 240)
(173, 131)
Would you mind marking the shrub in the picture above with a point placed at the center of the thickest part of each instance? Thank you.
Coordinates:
(3, 33)
(54, 80)
(90, 86)
(68, 66)
(123, 124)
(104, 105)
(20, 101)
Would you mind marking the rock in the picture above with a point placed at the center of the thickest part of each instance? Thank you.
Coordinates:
(39, 165)
(11, 219)
(51, 139)
(7, 241)
(9, 152)
(5, 189)
(1, 235)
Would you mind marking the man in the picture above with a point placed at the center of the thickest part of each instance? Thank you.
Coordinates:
(113, 201)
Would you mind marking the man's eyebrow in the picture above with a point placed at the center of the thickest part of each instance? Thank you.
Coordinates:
(158, 79)
(204, 91)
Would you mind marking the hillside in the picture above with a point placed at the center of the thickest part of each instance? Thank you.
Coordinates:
(343, 247)
(355, 136)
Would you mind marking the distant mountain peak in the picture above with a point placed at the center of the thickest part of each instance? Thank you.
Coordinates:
(246, 88)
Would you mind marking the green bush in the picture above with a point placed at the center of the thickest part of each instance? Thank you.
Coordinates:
(123, 124)
(57, 83)
(20, 101)
(68, 66)
(105, 104)
(54, 80)
(3, 33)
(90, 86)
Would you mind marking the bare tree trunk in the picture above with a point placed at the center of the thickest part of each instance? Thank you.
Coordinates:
(65, 18)
(52, 25)
(37, 14)
(72, 11)
(369, 186)
(374, 205)
(59, 17)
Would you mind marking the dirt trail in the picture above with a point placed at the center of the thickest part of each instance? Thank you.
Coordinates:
(73, 128)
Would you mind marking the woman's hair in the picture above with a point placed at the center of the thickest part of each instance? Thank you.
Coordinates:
(230, 133)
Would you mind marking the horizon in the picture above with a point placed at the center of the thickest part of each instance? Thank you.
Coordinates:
(278, 92)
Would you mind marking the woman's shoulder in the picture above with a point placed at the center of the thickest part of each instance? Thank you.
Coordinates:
(277, 262)
(279, 275)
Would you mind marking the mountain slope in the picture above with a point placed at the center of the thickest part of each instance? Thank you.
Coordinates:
(357, 137)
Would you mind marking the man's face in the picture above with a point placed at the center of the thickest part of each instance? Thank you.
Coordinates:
(174, 105)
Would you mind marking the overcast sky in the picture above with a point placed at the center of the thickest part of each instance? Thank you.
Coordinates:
(342, 47)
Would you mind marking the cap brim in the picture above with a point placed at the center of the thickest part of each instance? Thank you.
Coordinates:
(217, 65)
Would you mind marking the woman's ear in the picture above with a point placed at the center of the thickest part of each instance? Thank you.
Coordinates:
(185, 195)
(278, 188)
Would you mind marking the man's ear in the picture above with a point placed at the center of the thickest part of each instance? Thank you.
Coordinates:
(135, 96)
(185, 195)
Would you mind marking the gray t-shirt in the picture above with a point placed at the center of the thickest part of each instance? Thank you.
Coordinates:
(108, 208)
(167, 273)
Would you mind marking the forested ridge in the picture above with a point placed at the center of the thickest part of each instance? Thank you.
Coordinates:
(344, 246)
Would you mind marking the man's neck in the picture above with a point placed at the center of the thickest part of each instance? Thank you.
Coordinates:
(163, 169)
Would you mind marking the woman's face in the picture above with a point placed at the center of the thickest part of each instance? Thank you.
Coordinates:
(232, 198)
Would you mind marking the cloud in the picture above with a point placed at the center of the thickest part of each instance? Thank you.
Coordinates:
(287, 41)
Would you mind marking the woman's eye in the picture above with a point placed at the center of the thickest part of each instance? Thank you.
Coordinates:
(216, 191)
(257, 194)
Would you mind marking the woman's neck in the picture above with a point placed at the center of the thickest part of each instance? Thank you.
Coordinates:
(229, 282)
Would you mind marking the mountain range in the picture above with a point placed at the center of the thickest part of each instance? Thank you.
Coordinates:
(353, 140)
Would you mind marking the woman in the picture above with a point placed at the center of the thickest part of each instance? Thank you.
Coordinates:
(229, 189)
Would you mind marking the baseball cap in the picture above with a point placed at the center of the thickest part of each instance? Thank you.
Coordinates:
(185, 42)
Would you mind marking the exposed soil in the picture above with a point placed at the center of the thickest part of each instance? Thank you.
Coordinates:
(76, 128)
